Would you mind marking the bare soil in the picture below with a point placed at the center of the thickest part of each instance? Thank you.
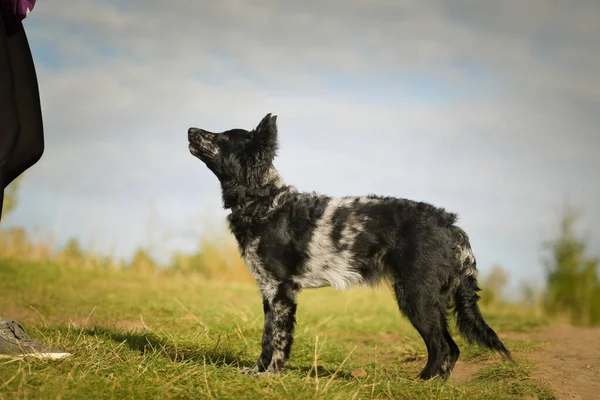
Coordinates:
(568, 361)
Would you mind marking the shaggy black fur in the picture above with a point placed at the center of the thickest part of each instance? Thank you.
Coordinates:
(292, 240)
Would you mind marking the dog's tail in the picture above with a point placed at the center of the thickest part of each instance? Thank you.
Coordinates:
(471, 324)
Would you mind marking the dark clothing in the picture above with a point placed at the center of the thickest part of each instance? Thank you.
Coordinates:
(21, 128)
(13, 12)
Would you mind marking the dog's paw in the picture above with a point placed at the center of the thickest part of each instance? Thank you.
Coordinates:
(256, 373)
(248, 370)
(264, 374)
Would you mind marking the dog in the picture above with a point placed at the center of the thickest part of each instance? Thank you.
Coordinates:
(291, 240)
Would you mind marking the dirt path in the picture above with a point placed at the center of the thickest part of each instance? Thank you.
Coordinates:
(569, 361)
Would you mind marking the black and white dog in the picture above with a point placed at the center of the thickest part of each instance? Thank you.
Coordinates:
(291, 240)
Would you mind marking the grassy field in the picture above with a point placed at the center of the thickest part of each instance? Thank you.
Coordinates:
(152, 336)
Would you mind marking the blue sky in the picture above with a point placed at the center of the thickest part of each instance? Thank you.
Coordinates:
(479, 108)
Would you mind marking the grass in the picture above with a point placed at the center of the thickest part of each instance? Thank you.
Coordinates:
(136, 335)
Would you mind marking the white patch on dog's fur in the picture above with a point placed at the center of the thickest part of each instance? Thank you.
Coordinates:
(466, 257)
(445, 367)
(273, 178)
(280, 312)
(326, 266)
(267, 285)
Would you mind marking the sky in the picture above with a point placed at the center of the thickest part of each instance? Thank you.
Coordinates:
(488, 109)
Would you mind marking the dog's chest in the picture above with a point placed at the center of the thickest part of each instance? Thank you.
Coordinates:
(253, 261)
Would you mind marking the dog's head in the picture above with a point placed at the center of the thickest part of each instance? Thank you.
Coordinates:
(237, 155)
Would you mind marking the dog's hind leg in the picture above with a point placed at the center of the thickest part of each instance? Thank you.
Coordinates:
(424, 313)
(447, 367)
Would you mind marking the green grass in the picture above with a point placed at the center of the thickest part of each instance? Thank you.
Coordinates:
(152, 336)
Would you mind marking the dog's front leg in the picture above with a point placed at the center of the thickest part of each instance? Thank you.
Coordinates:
(266, 354)
(267, 349)
(283, 314)
(278, 335)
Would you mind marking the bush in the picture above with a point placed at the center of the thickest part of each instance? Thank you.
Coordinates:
(573, 287)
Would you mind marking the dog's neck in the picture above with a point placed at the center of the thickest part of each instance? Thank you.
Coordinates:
(242, 198)
(273, 179)
(250, 206)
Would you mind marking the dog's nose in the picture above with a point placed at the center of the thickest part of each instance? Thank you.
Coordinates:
(192, 132)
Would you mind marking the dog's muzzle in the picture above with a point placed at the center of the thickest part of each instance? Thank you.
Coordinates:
(201, 142)
(194, 135)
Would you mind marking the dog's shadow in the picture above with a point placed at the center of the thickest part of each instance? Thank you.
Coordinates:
(150, 343)
(217, 355)
(324, 373)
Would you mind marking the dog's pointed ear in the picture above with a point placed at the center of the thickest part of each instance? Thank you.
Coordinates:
(266, 131)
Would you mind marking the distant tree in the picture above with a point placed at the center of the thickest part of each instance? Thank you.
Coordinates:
(573, 287)
(73, 249)
(142, 261)
(528, 294)
(493, 286)
(72, 254)
(10, 196)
